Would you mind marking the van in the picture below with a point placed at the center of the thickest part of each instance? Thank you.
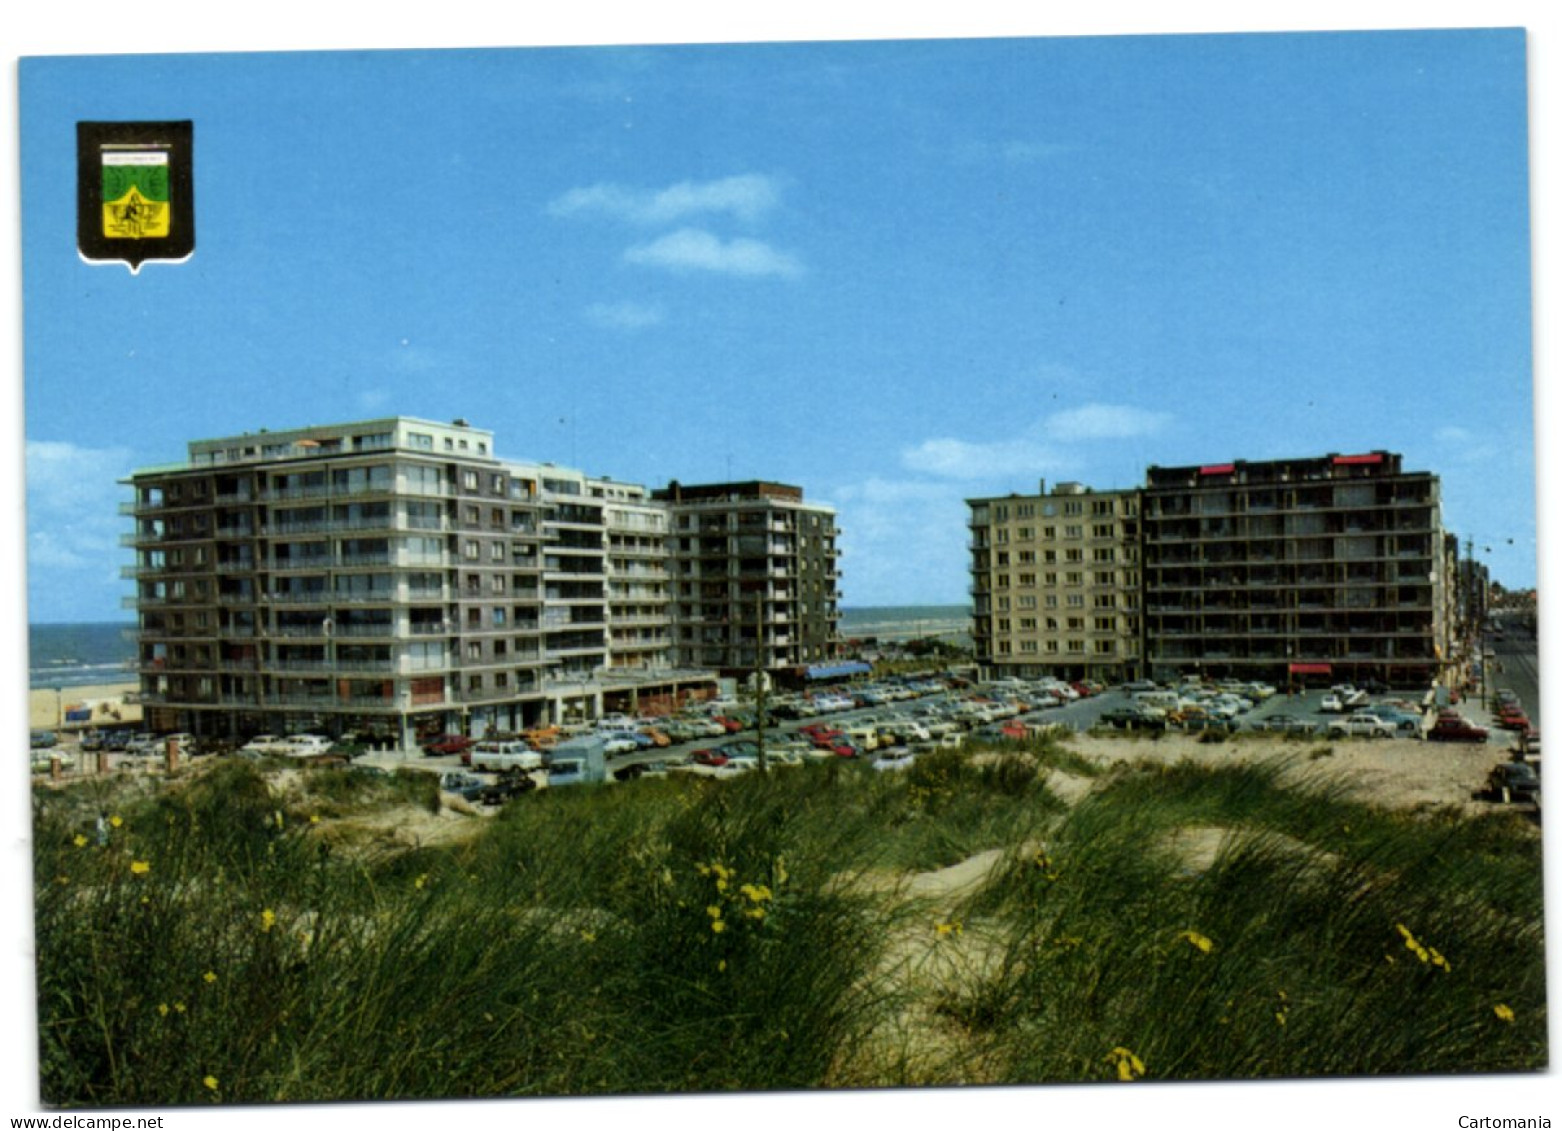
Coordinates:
(578, 761)
(505, 754)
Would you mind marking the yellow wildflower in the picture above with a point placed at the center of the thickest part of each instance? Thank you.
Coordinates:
(1503, 1012)
(754, 913)
(139, 867)
(314, 818)
(1280, 1018)
(951, 928)
(713, 911)
(210, 1082)
(178, 1007)
(209, 977)
(1129, 1067)
(718, 925)
(162, 1009)
(420, 881)
(80, 841)
(115, 821)
(757, 893)
(721, 966)
(1197, 941)
(268, 919)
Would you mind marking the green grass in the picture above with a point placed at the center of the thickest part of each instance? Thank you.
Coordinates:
(231, 943)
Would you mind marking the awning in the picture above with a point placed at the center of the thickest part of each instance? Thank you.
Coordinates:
(1311, 669)
(1370, 457)
(1218, 469)
(836, 671)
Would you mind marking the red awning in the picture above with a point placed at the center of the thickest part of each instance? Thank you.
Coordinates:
(1218, 469)
(1311, 669)
(1370, 457)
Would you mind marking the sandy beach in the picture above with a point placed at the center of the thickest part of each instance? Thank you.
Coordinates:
(46, 707)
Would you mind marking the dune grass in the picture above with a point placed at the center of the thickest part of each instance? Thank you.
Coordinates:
(218, 943)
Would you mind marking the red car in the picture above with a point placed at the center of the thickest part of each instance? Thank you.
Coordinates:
(1455, 729)
(708, 758)
(1512, 718)
(442, 744)
(731, 726)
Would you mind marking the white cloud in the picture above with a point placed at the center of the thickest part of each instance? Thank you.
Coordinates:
(624, 315)
(1047, 446)
(1105, 422)
(690, 249)
(960, 459)
(746, 197)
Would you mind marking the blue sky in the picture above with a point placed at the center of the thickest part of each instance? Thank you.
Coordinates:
(899, 274)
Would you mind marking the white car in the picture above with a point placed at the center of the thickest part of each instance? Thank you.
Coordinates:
(304, 745)
(1360, 725)
(897, 758)
(262, 744)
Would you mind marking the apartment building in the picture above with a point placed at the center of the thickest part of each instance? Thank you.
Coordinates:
(1055, 580)
(754, 573)
(1325, 569)
(391, 578)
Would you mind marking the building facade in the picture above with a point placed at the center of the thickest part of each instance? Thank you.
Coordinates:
(1327, 569)
(1055, 582)
(394, 578)
(755, 572)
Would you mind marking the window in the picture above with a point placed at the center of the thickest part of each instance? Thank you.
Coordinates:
(1075, 555)
(471, 550)
(1105, 554)
(1073, 532)
(1105, 624)
(1101, 530)
(469, 478)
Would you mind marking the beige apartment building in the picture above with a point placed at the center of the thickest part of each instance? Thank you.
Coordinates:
(1055, 580)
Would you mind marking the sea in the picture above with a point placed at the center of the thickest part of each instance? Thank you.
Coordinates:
(76, 655)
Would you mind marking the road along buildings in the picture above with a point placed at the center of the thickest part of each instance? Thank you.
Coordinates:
(1332, 568)
(394, 578)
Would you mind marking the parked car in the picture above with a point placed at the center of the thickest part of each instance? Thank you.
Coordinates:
(1455, 728)
(304, 746)
(1283, 723)
(463, 785)
(445, 744)
(1360, 725)
(503, 754)
(1133, 718)
(1512, 781)
(511, 783)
